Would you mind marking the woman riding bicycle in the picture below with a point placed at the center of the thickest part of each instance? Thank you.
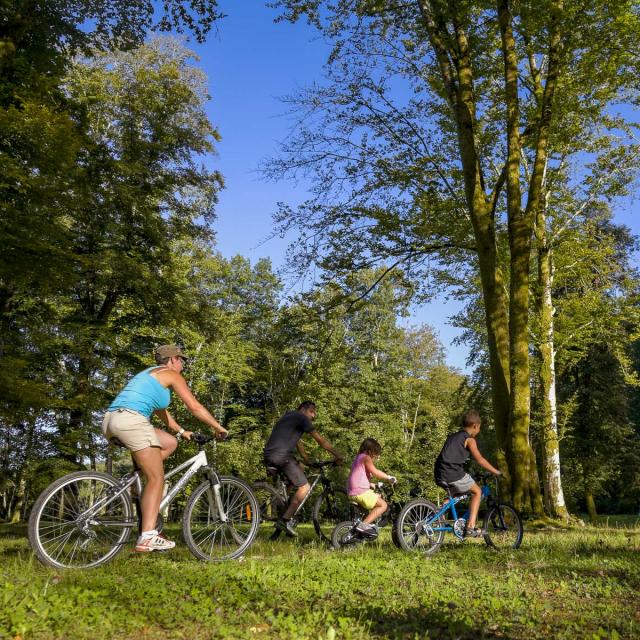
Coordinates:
(128, 419)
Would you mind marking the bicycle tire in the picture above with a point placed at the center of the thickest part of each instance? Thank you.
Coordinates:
(340, 533)
(57, 536)
(411, 532)
(270, 502)
(331, 507)
(210, 539)
(503, 527)
(394, 536)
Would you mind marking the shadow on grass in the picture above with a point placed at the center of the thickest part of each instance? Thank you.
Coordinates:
(13, 530)
(442, 621)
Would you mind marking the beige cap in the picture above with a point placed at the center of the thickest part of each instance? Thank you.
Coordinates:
(169, 351)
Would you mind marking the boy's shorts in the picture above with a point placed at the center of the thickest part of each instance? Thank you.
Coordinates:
(459, 486)
(366, 500)
(130, 427)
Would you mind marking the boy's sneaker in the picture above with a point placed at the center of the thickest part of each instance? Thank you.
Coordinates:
(287, 527)
(367, 530)
(156, 542)
(473, 533)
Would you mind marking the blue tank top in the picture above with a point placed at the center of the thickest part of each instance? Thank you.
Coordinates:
(143, 393)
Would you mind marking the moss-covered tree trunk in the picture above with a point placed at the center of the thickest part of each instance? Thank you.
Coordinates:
(520, 228)
(457, 75)
(552, 479)
(591, 504)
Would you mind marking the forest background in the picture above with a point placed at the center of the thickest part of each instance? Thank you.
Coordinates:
(109, 194)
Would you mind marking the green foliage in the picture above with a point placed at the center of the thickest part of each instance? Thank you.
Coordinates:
(600, 443)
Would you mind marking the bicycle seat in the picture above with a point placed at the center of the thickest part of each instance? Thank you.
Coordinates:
(117, 443)
(273, 471)
(452, 495)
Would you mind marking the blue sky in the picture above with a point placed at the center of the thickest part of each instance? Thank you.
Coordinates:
(251, 62)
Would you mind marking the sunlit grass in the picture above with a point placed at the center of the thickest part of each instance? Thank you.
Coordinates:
(581, 582)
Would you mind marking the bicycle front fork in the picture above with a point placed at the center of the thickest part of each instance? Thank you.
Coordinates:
(215, 499)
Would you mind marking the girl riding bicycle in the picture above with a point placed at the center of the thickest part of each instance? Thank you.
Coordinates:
(128, 419)
(360, 489)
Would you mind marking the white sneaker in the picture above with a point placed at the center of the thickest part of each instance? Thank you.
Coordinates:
(367, 530)
(156, 542)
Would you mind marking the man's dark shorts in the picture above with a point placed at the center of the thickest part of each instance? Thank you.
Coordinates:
(290, 467)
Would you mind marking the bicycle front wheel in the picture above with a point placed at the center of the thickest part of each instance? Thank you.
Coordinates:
(503, 527)
(79, 522)
(214, 535)
(415, 528)
(331, 507)
(342, 535)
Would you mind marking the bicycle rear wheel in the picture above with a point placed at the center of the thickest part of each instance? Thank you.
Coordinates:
(331, 507)
(414, 529)
(206, 535)
(395, 538)
(270, 502)
(66, 533)
(503, 527)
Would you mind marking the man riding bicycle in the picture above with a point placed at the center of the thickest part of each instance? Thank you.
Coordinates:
(279, 453)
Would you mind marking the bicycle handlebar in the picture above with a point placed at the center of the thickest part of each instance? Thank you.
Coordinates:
(485, 476)
(202, 438)
(319, 464)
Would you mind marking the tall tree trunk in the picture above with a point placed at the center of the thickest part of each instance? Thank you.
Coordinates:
(457, 75)
(18, 505)
(552, 480)
(534, 485)
(591, 504)
(18, 501)
(518, 452)
(520, 224)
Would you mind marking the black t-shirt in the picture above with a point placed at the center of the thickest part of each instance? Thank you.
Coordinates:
(285, 435)
(449, 464)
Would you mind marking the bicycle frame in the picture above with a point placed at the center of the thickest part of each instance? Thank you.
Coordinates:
(193, 465)
(450, 505)
(314, 484)
(282, 489)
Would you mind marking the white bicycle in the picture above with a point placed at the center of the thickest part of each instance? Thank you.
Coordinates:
(85, 518)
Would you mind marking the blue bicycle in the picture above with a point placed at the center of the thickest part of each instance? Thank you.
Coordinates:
(421, 524)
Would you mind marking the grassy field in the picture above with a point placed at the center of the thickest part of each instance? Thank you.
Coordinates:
(577, 583)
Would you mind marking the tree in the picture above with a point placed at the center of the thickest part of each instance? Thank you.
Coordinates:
(480, 129)
(40, 141)
(600, 436)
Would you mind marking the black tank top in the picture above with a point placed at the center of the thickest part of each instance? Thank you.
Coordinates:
(449, 464)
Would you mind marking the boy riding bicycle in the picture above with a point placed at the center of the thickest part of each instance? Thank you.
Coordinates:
(449, 468)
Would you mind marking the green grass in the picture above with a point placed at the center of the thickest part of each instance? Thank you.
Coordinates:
(562, 583)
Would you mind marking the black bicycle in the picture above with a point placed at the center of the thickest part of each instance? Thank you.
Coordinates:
(330, 507)
(346, 534)
(85, 518)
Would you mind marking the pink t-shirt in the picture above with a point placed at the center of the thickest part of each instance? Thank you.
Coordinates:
(359, 480)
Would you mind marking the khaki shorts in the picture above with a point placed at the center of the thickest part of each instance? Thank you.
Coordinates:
(366, 500)
(131, 428)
